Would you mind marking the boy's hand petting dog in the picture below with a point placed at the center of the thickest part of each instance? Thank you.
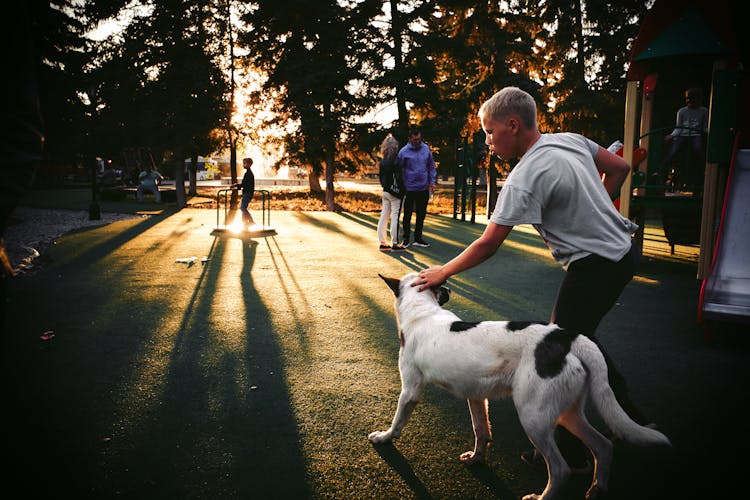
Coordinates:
(427, 278)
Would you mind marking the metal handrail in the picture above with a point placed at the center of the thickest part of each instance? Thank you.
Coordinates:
(265, 204)
(662, 129)
(265, 197)
(225, 191)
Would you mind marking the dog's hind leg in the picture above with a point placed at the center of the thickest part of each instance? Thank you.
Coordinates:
(482, 432)
(575, 421)
(538, 411)
(558, 470)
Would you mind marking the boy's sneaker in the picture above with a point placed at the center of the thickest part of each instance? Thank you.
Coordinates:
(419, 242)
(385, 248)
(398, 248)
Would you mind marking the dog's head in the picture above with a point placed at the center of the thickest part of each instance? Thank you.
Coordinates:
(401, 286)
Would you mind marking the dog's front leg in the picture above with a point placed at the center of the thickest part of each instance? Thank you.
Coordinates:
(411, 392)
(482, 432)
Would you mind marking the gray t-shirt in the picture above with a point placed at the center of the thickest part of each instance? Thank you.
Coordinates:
(695, 119)
(557, 188)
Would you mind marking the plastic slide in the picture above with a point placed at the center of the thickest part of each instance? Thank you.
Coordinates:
(725, 293)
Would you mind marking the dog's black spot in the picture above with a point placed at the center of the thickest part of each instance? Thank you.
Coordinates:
(549, 355)
(462, 326)
(520, 325)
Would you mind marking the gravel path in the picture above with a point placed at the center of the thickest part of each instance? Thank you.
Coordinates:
(32, 230)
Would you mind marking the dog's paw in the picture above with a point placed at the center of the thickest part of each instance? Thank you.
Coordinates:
(380, 437)
(470, 458)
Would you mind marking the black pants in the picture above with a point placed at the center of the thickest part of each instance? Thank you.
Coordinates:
(590, 288)
(415, 201)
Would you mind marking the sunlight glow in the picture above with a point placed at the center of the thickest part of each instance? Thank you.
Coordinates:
(646, 281)
(236, 226)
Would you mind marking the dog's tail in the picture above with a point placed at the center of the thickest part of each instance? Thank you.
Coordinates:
(604, 399)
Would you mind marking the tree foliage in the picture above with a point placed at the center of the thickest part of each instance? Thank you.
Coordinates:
(161, 84)
(313, 59)
(585, 48)
(61, 49)
(324, 64)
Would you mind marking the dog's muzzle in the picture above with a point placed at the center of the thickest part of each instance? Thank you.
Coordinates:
(443, 293)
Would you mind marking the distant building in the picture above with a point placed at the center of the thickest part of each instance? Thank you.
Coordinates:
(207, 169)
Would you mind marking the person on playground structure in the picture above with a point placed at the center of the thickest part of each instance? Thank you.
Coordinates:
(557, 187)
(150, 180)
(248, 190)
(691, 125)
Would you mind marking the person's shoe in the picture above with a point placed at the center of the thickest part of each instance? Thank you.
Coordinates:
(419, 242)
(385, 248)
(404, 244)
(398, 248)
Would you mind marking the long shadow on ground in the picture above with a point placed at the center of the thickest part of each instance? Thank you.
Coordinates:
(138, 398)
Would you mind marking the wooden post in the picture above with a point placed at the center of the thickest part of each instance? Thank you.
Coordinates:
(713, 185)
(647, 112)
(631, 108)
(709, 210)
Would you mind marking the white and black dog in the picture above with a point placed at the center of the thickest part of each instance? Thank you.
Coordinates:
(549, 372)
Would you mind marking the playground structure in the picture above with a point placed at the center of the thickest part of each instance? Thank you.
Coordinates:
(264, 230)
(725, 293)
(685, 44)
(136, 159)
(468, 176)
(465, 179)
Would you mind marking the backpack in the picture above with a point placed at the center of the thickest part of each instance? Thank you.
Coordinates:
(397, 181)
(392, 178)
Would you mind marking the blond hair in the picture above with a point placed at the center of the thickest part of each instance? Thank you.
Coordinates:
(511, 101)
(389, 146)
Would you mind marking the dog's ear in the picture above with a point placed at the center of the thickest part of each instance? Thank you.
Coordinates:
(442, 293)
(393, 283)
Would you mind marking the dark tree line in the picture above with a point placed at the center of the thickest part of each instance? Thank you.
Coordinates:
(163, 82)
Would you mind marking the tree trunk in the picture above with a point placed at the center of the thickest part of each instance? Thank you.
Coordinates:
(233, 168)
(232, 139)
(398, 68)
(580, 43)
(330, 202)
(313, 178)
(179, 177)
(329, 150)
(193, 190)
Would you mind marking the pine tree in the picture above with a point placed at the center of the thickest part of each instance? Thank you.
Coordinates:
(162, 83)
(308, 50)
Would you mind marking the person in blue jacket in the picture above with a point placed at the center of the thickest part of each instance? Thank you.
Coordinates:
(419, 174)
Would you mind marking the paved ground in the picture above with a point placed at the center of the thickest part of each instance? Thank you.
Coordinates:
(259, 373)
